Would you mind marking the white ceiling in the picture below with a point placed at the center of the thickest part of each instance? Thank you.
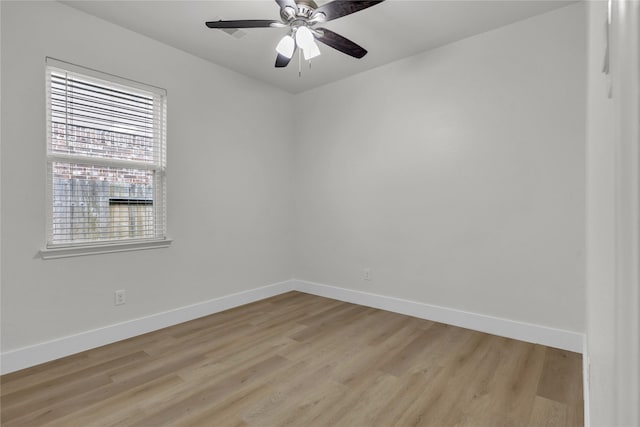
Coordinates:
(391, 30)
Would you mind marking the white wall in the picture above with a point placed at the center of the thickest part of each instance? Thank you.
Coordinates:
(600, 226)
(613, 216)
(229, 175)
(456, 175)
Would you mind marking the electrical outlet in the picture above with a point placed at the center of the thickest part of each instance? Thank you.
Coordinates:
(120, 297)
(366, 274)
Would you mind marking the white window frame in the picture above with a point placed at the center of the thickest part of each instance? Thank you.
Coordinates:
(60, 250)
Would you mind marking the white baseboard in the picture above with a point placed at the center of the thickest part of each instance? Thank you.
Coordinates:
(557, 338)
(44, 352)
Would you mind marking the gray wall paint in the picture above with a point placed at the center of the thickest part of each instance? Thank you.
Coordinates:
(601, 272)
(229, 178)
(613, 215)
(456, 175)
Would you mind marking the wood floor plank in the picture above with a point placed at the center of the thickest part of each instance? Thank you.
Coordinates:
(57, 390)
(116, 410)
(15, 381)
(360, 404)
(74, 402)
(227, 412)
(444, 391)
(199, 398)
(548, 413)
(302, 360)
(561, 369)
(286, 391)
(470, 391)
(515, 383)
(407, 356)
(422, 387)
(307, 405)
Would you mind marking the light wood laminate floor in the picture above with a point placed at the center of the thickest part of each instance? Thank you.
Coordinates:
(302, 360)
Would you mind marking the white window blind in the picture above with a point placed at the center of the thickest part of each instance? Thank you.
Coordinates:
(106, 158)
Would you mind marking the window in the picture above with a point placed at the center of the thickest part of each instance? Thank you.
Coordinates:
(106, 158)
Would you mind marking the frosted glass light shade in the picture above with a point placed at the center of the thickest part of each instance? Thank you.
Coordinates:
(286, 46)
(311, 51)
(304, 39)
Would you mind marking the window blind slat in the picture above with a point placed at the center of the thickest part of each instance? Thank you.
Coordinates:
(106, 159)
(64, 77)
(87, 105)
(91, 98)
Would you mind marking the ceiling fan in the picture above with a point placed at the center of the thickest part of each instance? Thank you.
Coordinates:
(302, 16)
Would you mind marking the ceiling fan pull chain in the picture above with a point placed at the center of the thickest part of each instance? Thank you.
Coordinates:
(299, 63)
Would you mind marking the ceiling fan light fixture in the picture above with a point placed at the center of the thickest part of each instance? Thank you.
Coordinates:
(311, 51)
(304, 40)
(300, 17)
(286, 46)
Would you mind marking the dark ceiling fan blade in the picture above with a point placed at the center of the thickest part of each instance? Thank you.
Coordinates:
(339, 8)
(340, 43)
(282, 61)
(245, 23)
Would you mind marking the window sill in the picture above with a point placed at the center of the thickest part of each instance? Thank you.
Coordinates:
(66, 252)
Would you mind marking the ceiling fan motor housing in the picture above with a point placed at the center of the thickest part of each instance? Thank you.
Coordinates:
(304, 11)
